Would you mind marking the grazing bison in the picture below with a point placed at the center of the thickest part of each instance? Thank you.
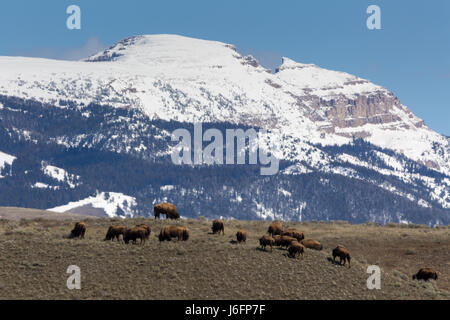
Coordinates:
(169, 209)
(425, 274)
(266, 240)
(295, 248)
(285, 241)
(343, 254)
(294, 233)
(147, 229)
(135, 233)
(217, 227)
(78, 231)
(115, 232)
(241, 236)
(311, 244)
(169, 232)
(275, 228)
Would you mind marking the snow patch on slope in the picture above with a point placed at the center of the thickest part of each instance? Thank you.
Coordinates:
(111, 202)
(60, 175)
(5, 159)
(41, 185)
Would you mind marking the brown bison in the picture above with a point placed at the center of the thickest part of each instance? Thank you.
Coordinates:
(294, 233)
(266, 240)
(169, 209)
(115, 232)
(78, 231)
(169, 232)
(343, 254)
(217, 227)
(135, 233)
(295, 248)
(277, 239)
(275, 228)
(147, 229)
(241, 236)
(284, 241)
(311, 244)
(425, 274)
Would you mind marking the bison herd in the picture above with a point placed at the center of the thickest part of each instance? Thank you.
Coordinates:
(291, 239)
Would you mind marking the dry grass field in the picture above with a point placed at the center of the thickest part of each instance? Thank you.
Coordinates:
(34, 257)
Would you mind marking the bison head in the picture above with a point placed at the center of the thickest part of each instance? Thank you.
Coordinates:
(185, 234)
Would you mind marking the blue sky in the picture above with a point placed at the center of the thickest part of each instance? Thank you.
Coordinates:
(410, 55)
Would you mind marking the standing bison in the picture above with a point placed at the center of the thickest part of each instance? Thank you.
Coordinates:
(147, 229)
(217, 227)
(169, 209)
(241, 236)
(78, 231)
(115, 232)
(266, 240)
(425, 274)
(343, 254)
(169, 232)
(295, 248)
(311, 244)
(135, 233)
(275, 228)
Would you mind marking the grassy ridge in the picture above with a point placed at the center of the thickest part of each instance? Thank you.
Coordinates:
(34, 258)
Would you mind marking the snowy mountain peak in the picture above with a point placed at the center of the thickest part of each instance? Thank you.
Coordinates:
(289, 64)
(168, 50)
(323, 82)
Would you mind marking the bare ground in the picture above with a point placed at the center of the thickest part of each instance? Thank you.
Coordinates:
(34, 258)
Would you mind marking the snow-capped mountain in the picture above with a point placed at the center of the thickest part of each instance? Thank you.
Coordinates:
(129, 98)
